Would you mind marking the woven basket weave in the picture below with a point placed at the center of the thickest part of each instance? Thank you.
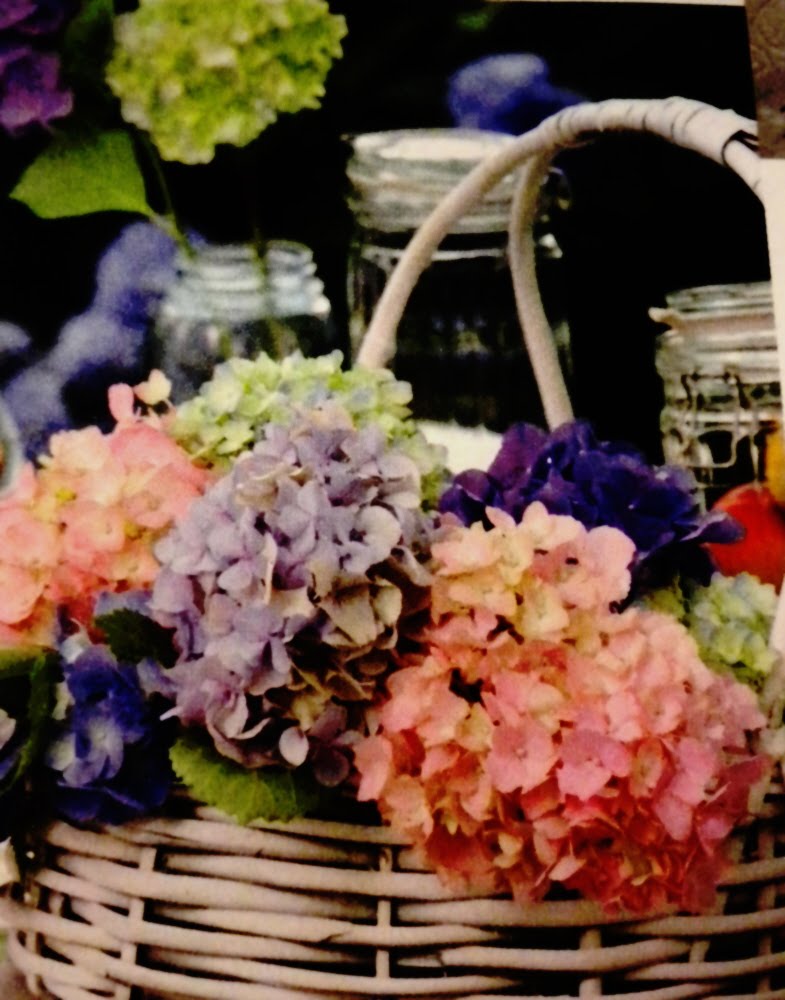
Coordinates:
(196, 906)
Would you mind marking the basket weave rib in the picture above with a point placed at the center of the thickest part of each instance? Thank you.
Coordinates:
(198, 907)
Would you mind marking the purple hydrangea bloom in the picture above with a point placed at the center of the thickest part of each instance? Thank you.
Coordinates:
(597, 482)
(30, 89)
(15, 12)
(110, 756)
(35, 17)
(287, 584)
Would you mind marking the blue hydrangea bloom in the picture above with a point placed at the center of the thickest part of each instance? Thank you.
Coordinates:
(108, 343)
(597, 482)
(34, 397)
(15, 347)
(9, 746)
(110, 756)
(508, 92)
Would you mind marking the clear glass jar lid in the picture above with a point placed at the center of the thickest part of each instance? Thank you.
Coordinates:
(398, 177)
(752, 296)
(716, 329)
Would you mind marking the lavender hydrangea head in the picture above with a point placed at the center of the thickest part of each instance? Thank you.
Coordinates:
(31, 89)
(109, 757)
(598, 482)
(287, 584)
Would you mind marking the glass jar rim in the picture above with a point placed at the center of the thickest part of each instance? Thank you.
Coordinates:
(742, 297)
(399, 176)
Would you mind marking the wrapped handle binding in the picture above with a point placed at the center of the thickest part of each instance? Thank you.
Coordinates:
(722, 136)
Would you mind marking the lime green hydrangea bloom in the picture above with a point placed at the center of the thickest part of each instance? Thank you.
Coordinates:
(230, 411)
(730, 620)
(195, 73)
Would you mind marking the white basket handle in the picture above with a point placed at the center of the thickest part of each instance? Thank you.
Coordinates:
(722, 136)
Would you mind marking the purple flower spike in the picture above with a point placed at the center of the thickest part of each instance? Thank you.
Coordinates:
(597, 482)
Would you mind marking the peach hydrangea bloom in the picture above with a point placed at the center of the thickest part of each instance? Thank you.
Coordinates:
(85, 519)
(540, 736)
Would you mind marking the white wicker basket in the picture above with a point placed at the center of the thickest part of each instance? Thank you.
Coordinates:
(200, 907)
(192, 905)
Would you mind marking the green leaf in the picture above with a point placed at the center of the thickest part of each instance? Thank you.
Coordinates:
(78, 175)
(19, 662)
(44, 675)
(245, 794)
(476, 21)
(133, 636)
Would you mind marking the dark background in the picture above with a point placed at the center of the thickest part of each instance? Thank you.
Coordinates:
(646, 217)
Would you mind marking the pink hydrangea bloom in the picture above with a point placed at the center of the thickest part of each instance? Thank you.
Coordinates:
(539, 736)
(86, 518)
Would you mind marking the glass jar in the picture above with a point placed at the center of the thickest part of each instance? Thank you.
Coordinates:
(227, 302)
(720, 371)
(459, 341)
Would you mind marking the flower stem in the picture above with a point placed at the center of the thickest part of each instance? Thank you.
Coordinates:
(170, 220)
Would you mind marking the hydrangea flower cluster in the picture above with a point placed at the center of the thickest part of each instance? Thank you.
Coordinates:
(31, 89)
(244, 395)
(287, 584)
(85, 520)
(251, 593)
(599, 483)
(109, 756)
(195, 73)
(731, 621)
(539, 737)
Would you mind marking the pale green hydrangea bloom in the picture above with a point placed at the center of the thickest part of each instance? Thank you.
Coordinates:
(195, 73)
(230, 411)
(730, 620)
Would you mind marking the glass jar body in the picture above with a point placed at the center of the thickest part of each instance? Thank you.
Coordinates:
(459, 342)
(230, 302)
(720, 372)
